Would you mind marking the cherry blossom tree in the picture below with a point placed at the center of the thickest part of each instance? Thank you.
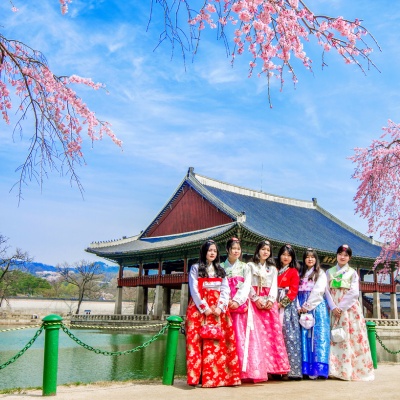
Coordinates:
(59, 115)
(270, 32)
(378, 195)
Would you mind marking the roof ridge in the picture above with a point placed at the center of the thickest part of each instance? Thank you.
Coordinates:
(204, 180)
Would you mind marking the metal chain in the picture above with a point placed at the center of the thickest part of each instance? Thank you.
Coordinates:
(114, 353)
(19, 328)
(380, 341)
(71, 325)
(21, 352)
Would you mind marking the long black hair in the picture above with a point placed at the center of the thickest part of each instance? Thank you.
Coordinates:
(317, 265)
(292, 253)
(256, 256)
(219, 271)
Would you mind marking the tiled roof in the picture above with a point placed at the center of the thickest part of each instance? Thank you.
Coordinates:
(293, 221)
(281, 219)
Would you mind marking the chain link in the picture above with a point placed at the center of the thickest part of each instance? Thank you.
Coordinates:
(73, 326)
(21, 352)
(114, 353)
(19, 328)
(380, 341)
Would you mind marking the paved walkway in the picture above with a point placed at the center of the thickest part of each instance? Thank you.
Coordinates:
(385, 386)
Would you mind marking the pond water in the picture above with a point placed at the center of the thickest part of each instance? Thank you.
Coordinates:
(76, 364)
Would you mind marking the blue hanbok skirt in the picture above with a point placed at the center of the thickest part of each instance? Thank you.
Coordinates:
(315, 342)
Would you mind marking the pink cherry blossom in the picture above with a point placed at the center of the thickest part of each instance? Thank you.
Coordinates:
(276, 31)
(378, 194)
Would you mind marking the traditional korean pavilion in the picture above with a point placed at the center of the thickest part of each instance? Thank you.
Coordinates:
(203, 208)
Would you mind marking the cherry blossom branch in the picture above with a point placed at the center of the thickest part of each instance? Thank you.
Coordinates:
(59, 115)
(272, 31)
(378, 195)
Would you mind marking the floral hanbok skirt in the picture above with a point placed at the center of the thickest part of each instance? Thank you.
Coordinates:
(351, 359)
(291, 334)
(259, 340)
(315, 342)
(210, 362)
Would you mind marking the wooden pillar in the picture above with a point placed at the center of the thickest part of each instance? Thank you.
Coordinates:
(394, 314)
(141, 269)
(185, 265)
(145, 300)
(184, 299)
(377, 299)
(118, 300)
(166, 301)
(140, 305)
(158, 302)
(360, 295)
(160, 263)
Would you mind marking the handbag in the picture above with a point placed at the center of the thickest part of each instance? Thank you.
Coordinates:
(338, 334)
(306, 320)
(211, 331)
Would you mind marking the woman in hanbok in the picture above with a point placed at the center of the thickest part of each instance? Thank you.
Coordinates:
(264, 346)
(288, 286)
(239, 280)
(315, 341)
(351, 358)
(211, 362)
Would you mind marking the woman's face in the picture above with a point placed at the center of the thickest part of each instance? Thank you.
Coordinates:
(310, 260)
(234, 251)
(264, 253)
(286, 258)
(342, 258)
(211, 253)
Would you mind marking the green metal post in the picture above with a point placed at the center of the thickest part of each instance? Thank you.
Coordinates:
(172, 347)
(372, 342)
(52, 324)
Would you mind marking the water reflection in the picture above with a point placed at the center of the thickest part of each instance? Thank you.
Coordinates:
(76, 364)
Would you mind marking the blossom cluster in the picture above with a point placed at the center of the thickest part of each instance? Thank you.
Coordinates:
(59, 113)
(273, 31)
(378, 195)
(64, 6)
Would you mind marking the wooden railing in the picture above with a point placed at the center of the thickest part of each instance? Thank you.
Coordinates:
(370, 287)
(153, 280)
(179, 278)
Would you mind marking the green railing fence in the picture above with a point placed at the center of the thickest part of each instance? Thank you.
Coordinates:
(52, 325)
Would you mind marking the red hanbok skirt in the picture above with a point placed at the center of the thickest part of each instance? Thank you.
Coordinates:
(210, 362)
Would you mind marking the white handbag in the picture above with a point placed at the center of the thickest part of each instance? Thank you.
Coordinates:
(307, 321)
(338, 334)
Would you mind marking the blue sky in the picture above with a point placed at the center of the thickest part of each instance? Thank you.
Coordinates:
(211, 117)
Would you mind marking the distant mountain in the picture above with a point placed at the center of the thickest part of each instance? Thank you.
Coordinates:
(36, 268)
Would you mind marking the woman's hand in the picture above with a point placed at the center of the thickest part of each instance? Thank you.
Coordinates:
(302, 310)
(259, 304)
(269, 305)
(217, 311)
(337, 312)
(208, 312)
(233, 305)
